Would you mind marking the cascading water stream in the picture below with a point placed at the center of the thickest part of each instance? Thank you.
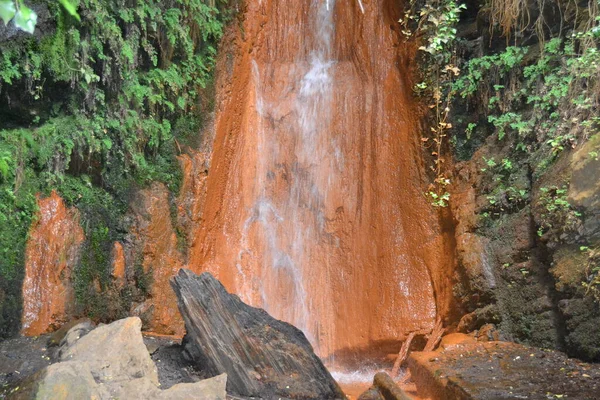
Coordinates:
(311, 206)
(292, 225)
(314, 208)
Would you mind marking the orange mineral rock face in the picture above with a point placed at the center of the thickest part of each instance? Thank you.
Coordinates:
(118, 265)
(51, 254)
(156, 243)
(314, 207)
(309, 201)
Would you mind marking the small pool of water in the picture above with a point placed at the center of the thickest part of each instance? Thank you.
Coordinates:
(354, 383)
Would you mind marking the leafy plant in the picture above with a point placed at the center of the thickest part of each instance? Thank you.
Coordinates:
(98, 108)
(24, 17)
(435, 24)
(556, 210)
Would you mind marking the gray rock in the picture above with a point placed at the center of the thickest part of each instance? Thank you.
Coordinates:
(68, 380)
(75, 333)
(114, 352)
(263, 357)
(111, 362)
(211, 389)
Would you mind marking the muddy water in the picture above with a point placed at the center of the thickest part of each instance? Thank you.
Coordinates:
(314, 207)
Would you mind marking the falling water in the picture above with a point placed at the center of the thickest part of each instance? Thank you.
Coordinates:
(290, 224)
(314, 208)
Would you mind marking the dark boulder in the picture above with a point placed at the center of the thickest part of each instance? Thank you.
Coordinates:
(263, 357)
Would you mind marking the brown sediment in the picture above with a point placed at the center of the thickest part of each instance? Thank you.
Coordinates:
(118, 264)
(52, 252)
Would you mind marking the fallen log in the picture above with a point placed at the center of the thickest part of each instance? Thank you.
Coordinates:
(435, 336)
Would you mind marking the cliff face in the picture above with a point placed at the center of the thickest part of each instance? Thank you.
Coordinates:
(314, 206)
(532, 287)
(308, 202)
(526, 213)
(153, 246)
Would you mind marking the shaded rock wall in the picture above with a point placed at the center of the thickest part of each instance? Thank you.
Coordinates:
(523, 268)
(502, 271)
(523, 217)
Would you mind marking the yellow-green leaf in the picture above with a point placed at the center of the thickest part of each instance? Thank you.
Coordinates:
(25, 19)
(71, 8)
(7, 10)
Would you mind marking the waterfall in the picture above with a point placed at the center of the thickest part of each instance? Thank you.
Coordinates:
(291, 226)
(314, 208)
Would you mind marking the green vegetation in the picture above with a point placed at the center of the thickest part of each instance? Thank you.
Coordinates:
(513, 90)
(435, 21)
(24, 17)
(547, 106)
(592, 282)
(94, 107)
(556, 210)
(543, 97)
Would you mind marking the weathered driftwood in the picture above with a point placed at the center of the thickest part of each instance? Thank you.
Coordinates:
(435, 336)
(263, 357)
(384, 388)
(403, 354)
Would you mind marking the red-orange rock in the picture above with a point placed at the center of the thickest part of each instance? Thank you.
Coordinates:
(331, 232)
(118, 264)
(51, 254)
(192, 194)
(155, 239)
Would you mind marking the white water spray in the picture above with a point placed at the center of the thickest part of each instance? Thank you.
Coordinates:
(283, 231)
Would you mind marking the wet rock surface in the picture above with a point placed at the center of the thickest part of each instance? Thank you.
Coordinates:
(263, 357)
(384, 388)
(466, 369)
(52, 253)
(349, 191)
(152, 241)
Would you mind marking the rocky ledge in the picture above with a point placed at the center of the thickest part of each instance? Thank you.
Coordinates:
(465, 369)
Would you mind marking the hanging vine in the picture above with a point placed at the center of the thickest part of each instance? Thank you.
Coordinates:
(434, 25)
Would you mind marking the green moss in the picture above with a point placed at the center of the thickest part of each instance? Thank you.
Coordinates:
(582, 321)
